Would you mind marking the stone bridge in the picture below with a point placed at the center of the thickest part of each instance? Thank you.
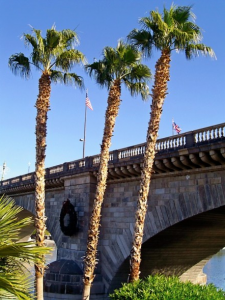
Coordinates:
(185, 222)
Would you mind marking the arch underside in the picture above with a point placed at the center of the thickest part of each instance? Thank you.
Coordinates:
(179, 247)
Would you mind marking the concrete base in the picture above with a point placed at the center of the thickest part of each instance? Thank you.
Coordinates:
(195, 274)
(52, 296)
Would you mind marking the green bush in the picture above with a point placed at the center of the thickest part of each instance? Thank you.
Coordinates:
(160, 287)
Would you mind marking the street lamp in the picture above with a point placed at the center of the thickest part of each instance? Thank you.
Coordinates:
(83, 140)
(3, 170)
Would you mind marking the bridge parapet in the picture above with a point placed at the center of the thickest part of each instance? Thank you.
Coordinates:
(169, 158)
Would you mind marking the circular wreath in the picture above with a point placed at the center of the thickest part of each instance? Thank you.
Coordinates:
(68, 209)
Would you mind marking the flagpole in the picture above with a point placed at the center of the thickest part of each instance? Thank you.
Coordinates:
(172, 127)
(85, 118)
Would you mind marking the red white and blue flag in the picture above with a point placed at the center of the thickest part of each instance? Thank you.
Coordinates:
(88, 102)
(176, 127)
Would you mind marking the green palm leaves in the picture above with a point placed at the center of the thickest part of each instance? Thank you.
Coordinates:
(171, 30)
(14, 279)
(53, 54)
(122, 63)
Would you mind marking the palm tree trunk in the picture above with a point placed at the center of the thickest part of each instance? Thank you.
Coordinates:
(159, 92)
(42, 105)
(93, 232)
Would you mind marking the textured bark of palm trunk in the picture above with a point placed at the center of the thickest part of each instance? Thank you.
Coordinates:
(93, 232)
(159, 92)
(42, 105)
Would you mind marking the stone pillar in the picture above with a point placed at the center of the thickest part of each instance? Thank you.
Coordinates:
(79, 189)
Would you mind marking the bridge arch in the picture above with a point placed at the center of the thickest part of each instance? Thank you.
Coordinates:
(173, 201)
(27, 202)
(178, 248)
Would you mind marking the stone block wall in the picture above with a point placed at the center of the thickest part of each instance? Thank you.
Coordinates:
(172, 198)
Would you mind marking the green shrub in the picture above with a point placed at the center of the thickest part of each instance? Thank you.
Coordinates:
(160, 287)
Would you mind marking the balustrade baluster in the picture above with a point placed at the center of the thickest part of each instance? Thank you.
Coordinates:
(217, 132)
(210, 134)
(203, 136)
(174, 143)
(196, 137)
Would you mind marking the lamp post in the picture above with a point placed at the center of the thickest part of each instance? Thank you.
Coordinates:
(3, 170)
(83, 140)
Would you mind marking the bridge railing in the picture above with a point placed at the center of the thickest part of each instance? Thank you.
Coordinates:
(172, 143)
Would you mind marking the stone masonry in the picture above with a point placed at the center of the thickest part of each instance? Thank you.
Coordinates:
(186, 202)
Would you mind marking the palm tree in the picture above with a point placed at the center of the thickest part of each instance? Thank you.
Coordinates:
(171, 31)
(119, 65)
(54, 56)
(15, 280)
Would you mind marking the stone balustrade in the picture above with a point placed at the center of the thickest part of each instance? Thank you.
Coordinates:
(189, 139)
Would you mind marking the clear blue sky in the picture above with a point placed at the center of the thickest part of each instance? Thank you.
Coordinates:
(196, 88)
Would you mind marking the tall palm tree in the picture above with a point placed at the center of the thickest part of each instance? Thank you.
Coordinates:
(54, 56)
(118, 65)
(166, 32)
(15, 280)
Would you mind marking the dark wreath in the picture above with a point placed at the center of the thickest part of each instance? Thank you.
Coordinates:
(71, 228)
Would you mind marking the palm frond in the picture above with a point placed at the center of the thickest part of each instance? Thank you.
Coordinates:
(56, 76)
(168, 17)
(123, 63)
(137, 88)
(171, 30)
(37, 53)
(55, 50)
(157, 19)
(140, 72)
(70, 38)
(182, 14)
(53, 38)
(73, 79)
(14, 282)
(67, 78)
(39, 38)
(128, 54)
(69, 58)
(19, 64)
(99, 71)
(25, 251)
(193, 50)
(30, 40)
(143, 40)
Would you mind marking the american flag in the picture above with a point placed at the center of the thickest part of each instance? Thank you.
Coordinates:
(176, 127)
(88, 102)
